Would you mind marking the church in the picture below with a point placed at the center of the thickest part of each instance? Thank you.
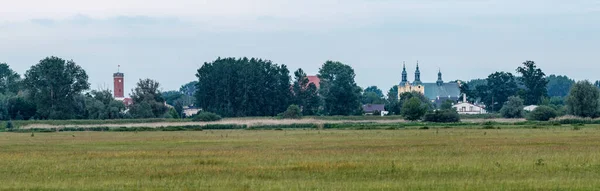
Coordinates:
(437, 92)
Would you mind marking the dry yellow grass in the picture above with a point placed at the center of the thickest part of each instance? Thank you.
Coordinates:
(553, 158)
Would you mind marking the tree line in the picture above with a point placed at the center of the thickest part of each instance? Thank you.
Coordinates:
(56, 88)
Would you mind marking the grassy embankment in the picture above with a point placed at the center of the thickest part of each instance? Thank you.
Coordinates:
(545, 158)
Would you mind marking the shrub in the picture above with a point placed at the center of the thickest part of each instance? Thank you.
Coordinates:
(9, 125)
(542, 113)
(413, 109)
(292, 112)
(442, 116)
(513, 108)
(206, 116)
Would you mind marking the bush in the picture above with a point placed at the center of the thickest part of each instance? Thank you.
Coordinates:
(206, 116)
(442, 116)
(542, 113)
(413, 109)
(292, 112)
(9, 125)
(513, 108)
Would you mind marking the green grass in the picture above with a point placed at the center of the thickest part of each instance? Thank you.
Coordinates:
(456, 158)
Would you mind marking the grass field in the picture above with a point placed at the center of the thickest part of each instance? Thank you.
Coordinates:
(545, 158)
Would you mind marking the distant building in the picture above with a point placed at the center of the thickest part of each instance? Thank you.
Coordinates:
(433, 91)
(467, 108)
(371, 109)
(530, 108)
(190, 111)
(314, 80)
(119, 86)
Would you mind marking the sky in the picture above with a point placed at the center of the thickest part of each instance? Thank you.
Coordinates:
(169, 40)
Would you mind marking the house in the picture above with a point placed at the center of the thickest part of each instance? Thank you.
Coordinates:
(314, 80)
(465, 107)
(371, 109)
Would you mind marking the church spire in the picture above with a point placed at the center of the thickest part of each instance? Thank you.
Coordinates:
(439, 81)
(417, 75)
(404, 74)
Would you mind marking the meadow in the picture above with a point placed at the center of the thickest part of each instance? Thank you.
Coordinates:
(510, 158)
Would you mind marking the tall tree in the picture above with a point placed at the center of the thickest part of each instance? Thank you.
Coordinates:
(340, 93)
(54, 85)
(393, 105)
(500, 86)
(535, 82)
(469, 88)
(9, 80)
(189, 88)
(305, 94)
(559, 86)
(584, 100)
(372, 95)
(234, 87)
(147, 100)
(171, 97)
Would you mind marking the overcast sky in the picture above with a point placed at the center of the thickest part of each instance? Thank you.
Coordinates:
(169, 40)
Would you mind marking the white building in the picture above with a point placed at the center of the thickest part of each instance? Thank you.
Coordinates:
(465, 107)
(530, 108)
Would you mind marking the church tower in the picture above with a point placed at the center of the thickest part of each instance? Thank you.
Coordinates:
(404, 74)
(439, 81)
(119, 81)
(417, 75)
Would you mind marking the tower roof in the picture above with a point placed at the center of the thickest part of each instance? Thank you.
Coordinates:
(118, 74)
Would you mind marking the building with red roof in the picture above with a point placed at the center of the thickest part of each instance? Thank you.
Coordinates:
(314, 80)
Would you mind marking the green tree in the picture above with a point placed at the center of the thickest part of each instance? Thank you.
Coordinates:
(559, 86)
(147, 100)
(305, 94)
(101, 105)
(20, 108)
(583, 100)
(55, 85)
(372, 95)
(500, 86)
(179, 109)
(413, 109)
(189, 88)
(470, 88)
(9, 80)
(513, 108)
(393, 105)
(447, 105)
(535, 82)
(243, 87)
(340, 93)
(172, 96)
(173, 114)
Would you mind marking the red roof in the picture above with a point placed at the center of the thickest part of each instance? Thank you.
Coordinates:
(315, 80)
(127, 101)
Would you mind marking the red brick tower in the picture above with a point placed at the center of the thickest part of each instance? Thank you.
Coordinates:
(119, 87)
